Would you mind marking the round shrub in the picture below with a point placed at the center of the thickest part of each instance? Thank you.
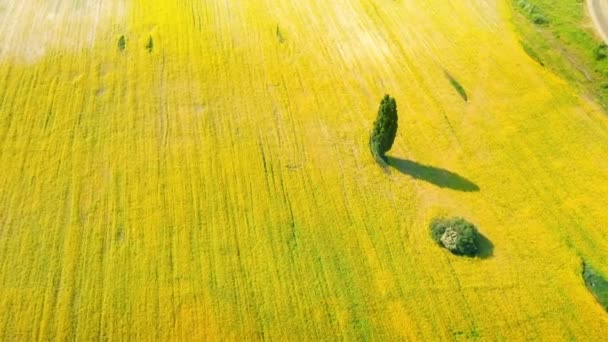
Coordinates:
(455, 234)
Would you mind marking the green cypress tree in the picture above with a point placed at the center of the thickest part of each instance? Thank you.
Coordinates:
(385, 128)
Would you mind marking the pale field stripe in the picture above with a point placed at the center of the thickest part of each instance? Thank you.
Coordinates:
(30, 29)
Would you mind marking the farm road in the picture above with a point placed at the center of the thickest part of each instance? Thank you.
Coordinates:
(599, 15)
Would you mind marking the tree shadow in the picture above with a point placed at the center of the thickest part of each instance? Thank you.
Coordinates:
(485, 247)
(440, 177)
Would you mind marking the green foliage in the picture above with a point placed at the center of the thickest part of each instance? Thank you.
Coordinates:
(600, 52)
(532, 12)
(150, 45)
(122, 43)
(455, 234)
(385, 128)
(569, 46)
(540, 19)
(459, 88)
(596, 284)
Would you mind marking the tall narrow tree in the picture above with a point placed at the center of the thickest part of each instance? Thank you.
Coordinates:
(385, 128)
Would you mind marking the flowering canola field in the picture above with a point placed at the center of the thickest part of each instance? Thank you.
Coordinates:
(210, 178)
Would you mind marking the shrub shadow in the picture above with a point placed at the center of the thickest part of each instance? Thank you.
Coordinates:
(485, 247)
(440, 177)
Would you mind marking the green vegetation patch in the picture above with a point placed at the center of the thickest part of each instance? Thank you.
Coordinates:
(459, 88)
(596, 284)
(567, 44)
(455, 234)
(150, 45)
(532, 12)
(122, 43)
(385, 129)
(600, 52)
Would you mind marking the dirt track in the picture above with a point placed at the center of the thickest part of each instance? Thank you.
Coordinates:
(599, 14)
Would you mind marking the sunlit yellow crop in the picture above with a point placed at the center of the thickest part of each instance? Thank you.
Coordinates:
(220, 186)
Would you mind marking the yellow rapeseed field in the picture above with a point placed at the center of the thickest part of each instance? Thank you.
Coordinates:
(213, 180)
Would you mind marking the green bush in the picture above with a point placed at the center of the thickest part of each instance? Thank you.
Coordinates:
(600, 52)
(532, 12)
(540, 19)
(385, 128)
(122, 43)
(455, 234)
